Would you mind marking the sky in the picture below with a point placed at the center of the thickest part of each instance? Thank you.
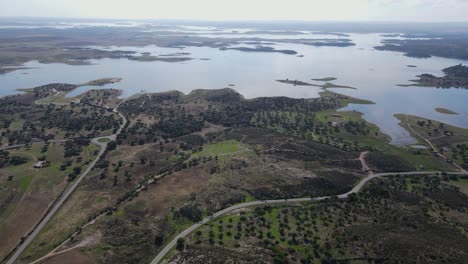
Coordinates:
(311, 10)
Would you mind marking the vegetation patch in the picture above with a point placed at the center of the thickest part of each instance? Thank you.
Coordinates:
(220, 148)
(28, 190)
(337, 231)
(326, 79)
(182, 157)
(446, 111)
(455, 76)
(449, 140)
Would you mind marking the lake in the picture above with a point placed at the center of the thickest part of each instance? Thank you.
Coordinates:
(375, 74)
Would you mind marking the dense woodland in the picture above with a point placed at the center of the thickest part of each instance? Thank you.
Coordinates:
(24, 121)
(449, 46)
(174, 115)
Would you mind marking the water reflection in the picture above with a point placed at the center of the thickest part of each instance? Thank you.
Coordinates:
(374, 73)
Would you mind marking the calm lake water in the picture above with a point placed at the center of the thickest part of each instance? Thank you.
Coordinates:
(374, 73)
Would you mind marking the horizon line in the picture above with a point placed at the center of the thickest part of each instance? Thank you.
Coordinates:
(238, 20)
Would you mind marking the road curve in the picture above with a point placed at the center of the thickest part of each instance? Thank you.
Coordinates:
(362, 159)
(19, 250)
(355, 189)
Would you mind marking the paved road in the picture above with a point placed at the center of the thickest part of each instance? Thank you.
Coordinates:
(68, 192)
(356, 189)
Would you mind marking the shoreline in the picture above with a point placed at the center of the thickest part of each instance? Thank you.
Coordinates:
(62, 97)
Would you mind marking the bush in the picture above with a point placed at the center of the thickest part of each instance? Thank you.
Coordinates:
(180, 244)
(191, 212)
(16, 160)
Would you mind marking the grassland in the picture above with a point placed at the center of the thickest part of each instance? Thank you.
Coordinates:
(219, 149)
(449, 140)
(432, 129)
(27, 192)
(461, 183)
(59, 98)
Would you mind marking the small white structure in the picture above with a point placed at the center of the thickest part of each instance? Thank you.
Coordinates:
(41, 164)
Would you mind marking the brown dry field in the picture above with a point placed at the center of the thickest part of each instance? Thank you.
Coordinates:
(25, 216)
(173, 189)
(80, 206)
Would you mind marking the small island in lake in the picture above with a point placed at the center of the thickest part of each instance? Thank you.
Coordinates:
(323, 86)
(150, 58)
(261, 49)
(102, 82)
(295, 82)
(446, 111)
(326, 79)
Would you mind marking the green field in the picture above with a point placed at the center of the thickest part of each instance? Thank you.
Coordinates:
(104, 140)
(59, 99)
(219, 149)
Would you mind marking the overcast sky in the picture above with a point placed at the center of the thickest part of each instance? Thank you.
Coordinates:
(315, 10)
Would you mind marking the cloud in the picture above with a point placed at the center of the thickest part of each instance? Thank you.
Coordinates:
(419, 3)
(419, 10)
(344, 10)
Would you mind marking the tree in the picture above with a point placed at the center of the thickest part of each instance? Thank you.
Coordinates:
(4, 158)
(193, 196)
(158, 240)
(180, 244)
(16, 160)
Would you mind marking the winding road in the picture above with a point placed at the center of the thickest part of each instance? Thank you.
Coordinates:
(355, 189)
(103, 145)
(69, 190)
